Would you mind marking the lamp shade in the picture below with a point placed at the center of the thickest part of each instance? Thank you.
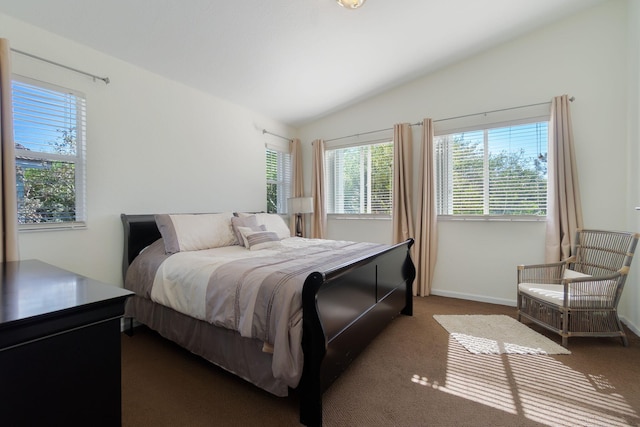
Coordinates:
(351, 4)
(300, 205)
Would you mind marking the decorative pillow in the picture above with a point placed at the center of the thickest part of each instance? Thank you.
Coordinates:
(245, 221)
(245, 230)
(273, 222)
(192, 232)
(572, 274)
(256, 240)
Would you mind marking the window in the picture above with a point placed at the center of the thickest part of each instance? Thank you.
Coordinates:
(358, 179)
(49, 133)
(494, 171)
(278, 180)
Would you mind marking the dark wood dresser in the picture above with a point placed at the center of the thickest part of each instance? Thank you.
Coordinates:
(59, 347)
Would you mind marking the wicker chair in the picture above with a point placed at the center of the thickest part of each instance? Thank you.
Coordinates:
(579, 296)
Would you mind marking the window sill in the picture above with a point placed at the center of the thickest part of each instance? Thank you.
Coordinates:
(28, 228)
(493, 218)
(359, 217)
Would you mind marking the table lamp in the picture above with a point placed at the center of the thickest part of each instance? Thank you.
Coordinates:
(299, 206)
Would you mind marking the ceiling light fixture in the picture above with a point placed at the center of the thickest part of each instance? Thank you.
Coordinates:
(351, 4)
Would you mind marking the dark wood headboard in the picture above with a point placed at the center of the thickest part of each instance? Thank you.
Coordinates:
(139, 232)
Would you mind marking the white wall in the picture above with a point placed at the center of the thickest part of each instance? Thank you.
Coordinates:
(631, 296)
(153, 145)
(584, 56)
(157, 146)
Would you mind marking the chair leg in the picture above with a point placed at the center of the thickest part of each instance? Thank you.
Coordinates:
(625, 341)
(623, 335)
(565, 328)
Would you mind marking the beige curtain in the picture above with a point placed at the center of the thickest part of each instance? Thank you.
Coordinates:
(319, 216)
(401, 211)
(426, 245)
(9, 207)
(564, 209)
(297, 184)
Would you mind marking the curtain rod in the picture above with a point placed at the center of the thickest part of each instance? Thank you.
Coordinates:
(104, 79)
(275, 134)
(447, 118)
(365, 133)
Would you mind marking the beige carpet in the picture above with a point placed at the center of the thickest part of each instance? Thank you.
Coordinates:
(497, 334)
(414, 374)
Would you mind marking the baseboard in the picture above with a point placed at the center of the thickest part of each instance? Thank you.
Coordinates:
(472, 297)
(631, 326)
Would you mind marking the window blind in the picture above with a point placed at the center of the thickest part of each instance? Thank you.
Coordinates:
(278, 167)
(359, 179)
(49, 134)
(496, 171)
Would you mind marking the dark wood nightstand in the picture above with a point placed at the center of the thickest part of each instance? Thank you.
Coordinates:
(59, 347)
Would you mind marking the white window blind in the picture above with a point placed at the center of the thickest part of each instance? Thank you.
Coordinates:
(358, 179)
(278, 179)
(49, 134)
(498, 171)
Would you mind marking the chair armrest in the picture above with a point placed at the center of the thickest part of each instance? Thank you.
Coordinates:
(541, 273)
(593, 291)
(550, 273)
(612, 276)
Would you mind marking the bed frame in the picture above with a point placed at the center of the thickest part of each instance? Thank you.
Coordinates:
(343, 309)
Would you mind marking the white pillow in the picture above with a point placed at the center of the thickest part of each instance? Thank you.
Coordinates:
(192, 232)
(273, 222)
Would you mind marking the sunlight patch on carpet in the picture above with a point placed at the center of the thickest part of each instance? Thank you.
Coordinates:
(497, 334)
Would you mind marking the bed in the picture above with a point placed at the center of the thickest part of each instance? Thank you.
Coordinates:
(344, 296)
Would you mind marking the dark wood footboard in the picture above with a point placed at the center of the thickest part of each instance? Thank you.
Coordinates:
(343, 310)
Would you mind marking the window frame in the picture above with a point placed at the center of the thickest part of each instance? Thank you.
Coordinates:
(78, 159)
(284, 171)
(484, 127)
(328, 188)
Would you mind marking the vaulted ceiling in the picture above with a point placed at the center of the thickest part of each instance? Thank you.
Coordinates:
(291, 60)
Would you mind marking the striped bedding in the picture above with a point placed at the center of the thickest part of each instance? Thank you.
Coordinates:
(256, 293)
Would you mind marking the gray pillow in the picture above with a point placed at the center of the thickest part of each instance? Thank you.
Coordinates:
(168, 232)
(245, 221)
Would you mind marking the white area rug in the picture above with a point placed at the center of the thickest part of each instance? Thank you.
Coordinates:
(497, 334)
